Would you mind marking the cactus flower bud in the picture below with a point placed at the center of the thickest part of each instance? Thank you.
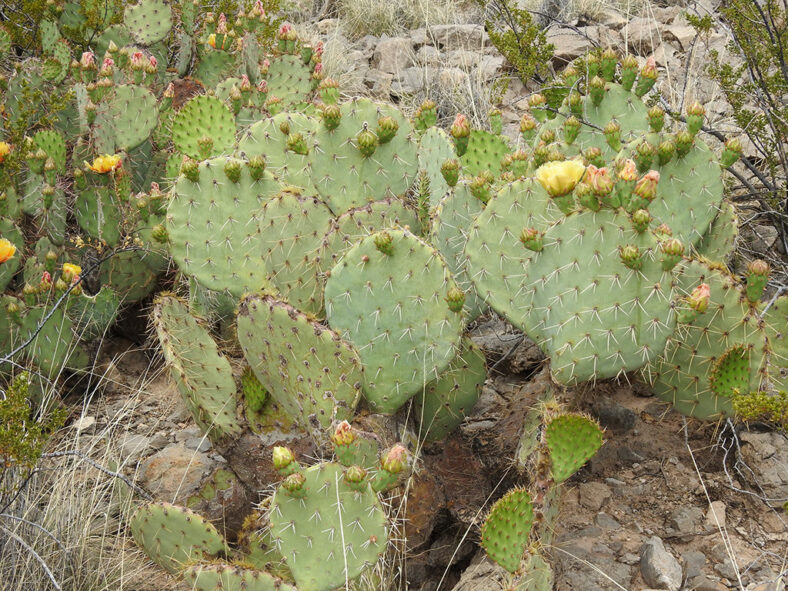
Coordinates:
(294, 485)
(608, 64)
(5, 150)
(159, 234)
(331, 115)
(730, 153)
(628, 172)
(70, 272)
(532, 239)
(697, 301)
(527, 126)
(256, 166)
(644, 155)
(232, 169)
(663, 230)
(205, 146)
(366, 142)
(646, 187)
(450, 170)
(480, 188)
(343, 434)
(387, 129)
(648, 76)
(496, 121)
(594, 156)
(282, 458)
(600, 180)
(575, 103)
(695, 115)
(596, 88)
(586, 197)
(631, 257)
(456, 299)
(640, 220)
(672, 250)
(559, 178)
(665, 151)
(656, 118)
(191, 170)
(384, 243)
(612, 133)
(684, 141)
(461, 131)
(757, 278)
(395, 459)
(355, 475)
(297, 143)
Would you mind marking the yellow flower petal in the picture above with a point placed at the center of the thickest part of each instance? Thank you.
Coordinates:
(7, 250)
(559, 178)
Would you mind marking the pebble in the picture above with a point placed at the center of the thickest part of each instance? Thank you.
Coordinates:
(659, 568)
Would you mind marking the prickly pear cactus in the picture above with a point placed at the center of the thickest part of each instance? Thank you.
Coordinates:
(309, 370)
(506, 530)
(485, 152)
(212, 577)
(203, 375)
(435, 148)
(173, 536)
(149, 21)
(203, 128)
(125, 118)
(393, 297)
(572, 440)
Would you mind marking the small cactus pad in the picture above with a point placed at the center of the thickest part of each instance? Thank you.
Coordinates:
(308, 369)
(344, 177)
(537, 575)
(330, 532)
(720, 239)
(505, 531)
(203, 375)
(203, 117)
(173, 536)
(224, 577)
(776, 321)
(55, 345)
(214, 229)
(149, 21)
(290, 80)
(731, 373)
(445, 402)
(485, 152)
(291, 230)
(435, 148)
(572, 439)
(125, 118)
(388, 295)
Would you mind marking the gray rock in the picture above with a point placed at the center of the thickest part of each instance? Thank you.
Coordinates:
(393, 55)
(378, 82)
(367, 45)
(482, 575)
(680, 36)
(604, 521)
(685, 520)
(413, 80)
(568, 44)
(694, 562)
(489, 65)
(705, 584)
(459, 36)
(461, 58)
(85, 424)
(659, 568)
(641, 35)
(499, 341)
(766, 454)
(613, 415)
(453, 77)
(428, 56)
(175, 472)
(592, 495)
(134, 446)
(726, 569)
(419, 37)
(768, 586)
(328, 25)
(715, 516)
(200, 443)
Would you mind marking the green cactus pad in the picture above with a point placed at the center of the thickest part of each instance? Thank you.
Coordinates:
(485, 152)
(203, 117)
(356, 223)
(54, 145)
(451, 224)
(132, 275)
(507, 527)
(94, 315)
(572, 439)
(731, 372)
(445, 402)
(393, 308)
(308, 369)
(776, 324)
(214, 66)
(332, 534)
(117, 34)
(291, 230)
(435, 148)
(225, 577)
(681, 375)
(203, 375)
(125, 119)
(98, 215)
(720, 239)
(149, 21)
(289, 79)
(266, 138)
(49, 220)
(10, 232)
(537, 575)
(213, 226)
(344, 177)
(173, 536)
(55, 346)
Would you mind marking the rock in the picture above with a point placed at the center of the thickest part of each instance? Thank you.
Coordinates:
(726, 569)
(592, 495)
(428, 56)
(85, 424)
(604, 521)
(413, 80)
(461, 58)
(367, 45)
(328, 25)
(175, 472)
(453, 78)
(378, 82)
(706, 584)
(603, 36)
(393, 55)
(134, 446)
(614, 20)
(512, 351)
(694, 562)
(568, 45)
(451, 37)
(680, 36)
(665, 56)
(766, 455)
(641, 35)
(578, 575)
(224, 500)
(425, 495)
(613, 415)
(768, 586)
(199, 443)
(659, 568)
(488, 67)
(482, 575)
(715, 516)
(684, 520)
(419, 37)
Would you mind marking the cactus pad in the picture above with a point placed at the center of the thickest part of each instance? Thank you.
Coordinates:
(173, 536)
(731, 372)
(149, 21)
(125, 119)
(485, 152)
(290, 80)
(224, 577)
(203, 117)
(572, 440)
(505, 531)
(435, 148)
(202, 374)
(330, 534)
(308, 369)
(388, 296)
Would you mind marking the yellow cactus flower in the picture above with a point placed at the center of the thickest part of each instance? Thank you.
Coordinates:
(7, 250)
(105, 163)
(5, 150)
(71, 272)
(212, 40)
(559, 178)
